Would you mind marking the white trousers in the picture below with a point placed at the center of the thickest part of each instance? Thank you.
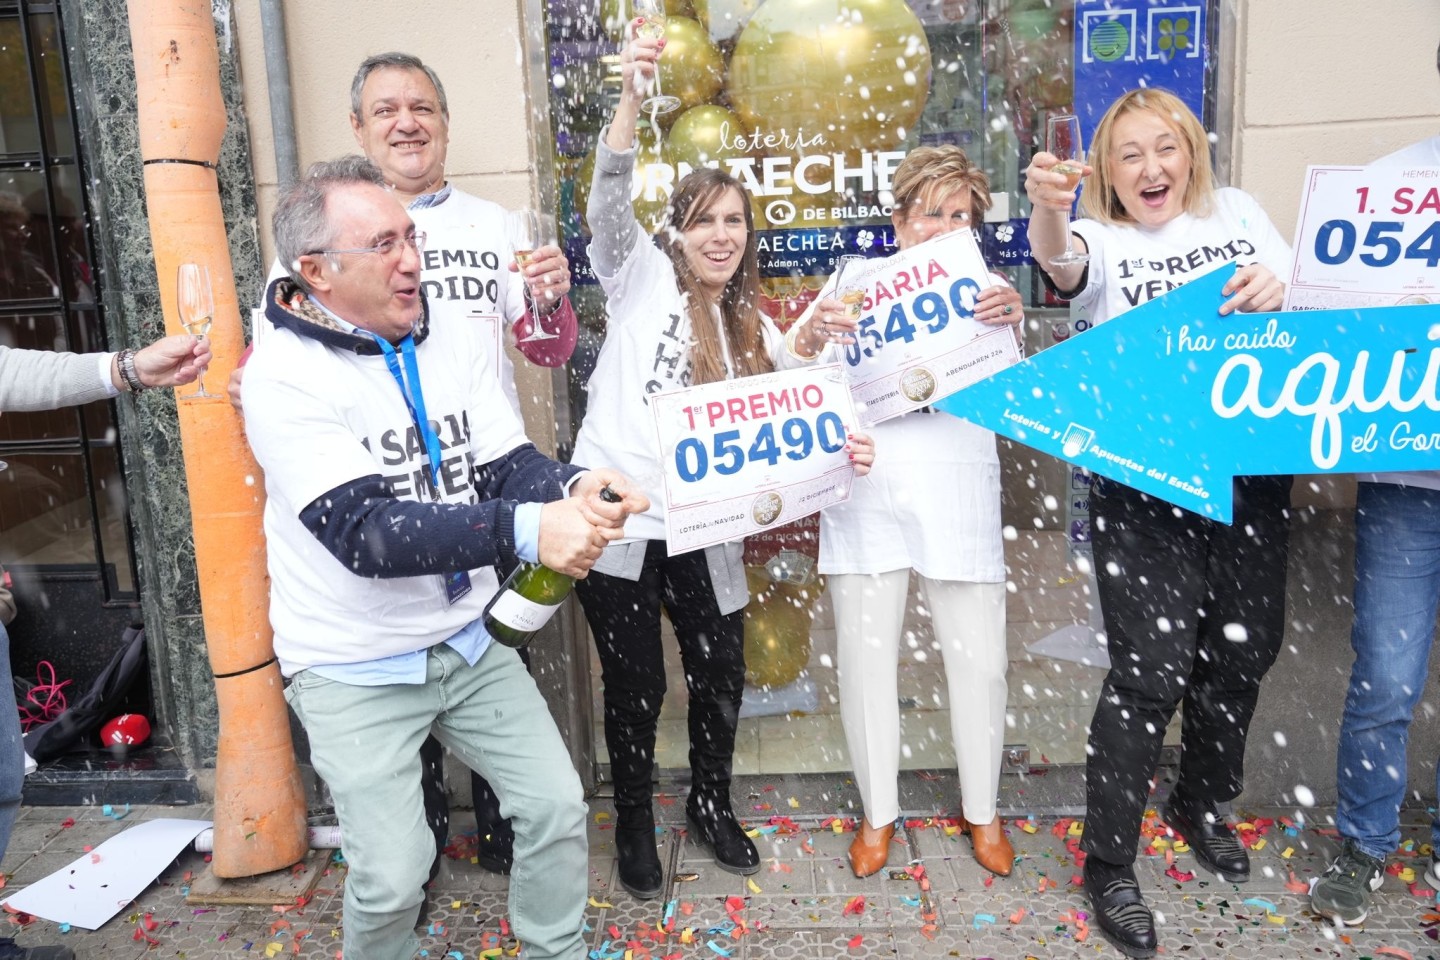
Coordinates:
(969, 623)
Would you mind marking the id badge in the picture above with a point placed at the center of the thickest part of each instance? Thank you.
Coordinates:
(457, 587)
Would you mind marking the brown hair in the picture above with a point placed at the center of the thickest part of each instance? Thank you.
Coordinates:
(942, 169)
(1099, 201)
(739, 302)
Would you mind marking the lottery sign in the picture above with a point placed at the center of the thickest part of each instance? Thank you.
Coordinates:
(744, 455)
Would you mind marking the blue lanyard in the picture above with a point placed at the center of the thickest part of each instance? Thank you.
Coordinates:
(414, 400)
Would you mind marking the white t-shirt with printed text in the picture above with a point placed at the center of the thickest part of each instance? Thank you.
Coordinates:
(319, 417)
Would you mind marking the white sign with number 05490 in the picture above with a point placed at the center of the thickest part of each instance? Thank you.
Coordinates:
(745, 455)
(1366, 236)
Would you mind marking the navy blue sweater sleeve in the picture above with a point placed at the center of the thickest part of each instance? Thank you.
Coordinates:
(374, 534)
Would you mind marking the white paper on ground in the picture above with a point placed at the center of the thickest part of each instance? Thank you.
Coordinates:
(799, 696)
(101, 883)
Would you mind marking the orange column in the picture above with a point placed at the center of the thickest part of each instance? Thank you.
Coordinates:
(259, 800)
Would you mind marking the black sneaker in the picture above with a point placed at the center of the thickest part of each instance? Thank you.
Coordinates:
(1343, 893)
(10, 951)
(1211, 839)
(1124, 918)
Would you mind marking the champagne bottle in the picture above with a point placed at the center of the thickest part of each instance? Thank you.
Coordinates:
(529, 597)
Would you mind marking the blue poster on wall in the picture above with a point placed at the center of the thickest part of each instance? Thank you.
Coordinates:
(1124, 44)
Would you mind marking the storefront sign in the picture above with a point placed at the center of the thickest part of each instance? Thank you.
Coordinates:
(1366, 237)
(746, 455)
(1121, 45)
(918, 338)
(1175, 400)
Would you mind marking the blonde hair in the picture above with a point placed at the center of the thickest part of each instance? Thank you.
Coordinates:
(1099, 201)
(739, 305)
(940, 171)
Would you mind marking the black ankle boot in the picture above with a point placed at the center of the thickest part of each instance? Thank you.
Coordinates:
(712, 823)
(1211, 839)
(1115, 897)
(639, 860)
(640, 871)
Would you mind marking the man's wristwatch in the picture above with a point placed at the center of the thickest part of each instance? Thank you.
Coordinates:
(125, 362)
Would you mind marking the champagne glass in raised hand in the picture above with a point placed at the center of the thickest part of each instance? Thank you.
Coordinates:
(528, 231)
(847, 284)
(651, 14)
(197, 309)
(1062, 138)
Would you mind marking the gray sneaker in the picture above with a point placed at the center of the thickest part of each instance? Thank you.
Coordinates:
(1432, 872)
(1343, 893)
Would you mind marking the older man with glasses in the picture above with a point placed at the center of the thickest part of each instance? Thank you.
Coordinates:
(397, 480)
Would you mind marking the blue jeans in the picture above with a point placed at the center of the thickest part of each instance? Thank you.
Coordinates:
(12, 748)
(1397, 586)
(365, 743)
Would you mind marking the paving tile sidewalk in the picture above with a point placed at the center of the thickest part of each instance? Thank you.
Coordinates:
(803, 905)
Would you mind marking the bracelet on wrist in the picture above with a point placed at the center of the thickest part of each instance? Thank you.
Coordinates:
(125, 362)
(793, 349)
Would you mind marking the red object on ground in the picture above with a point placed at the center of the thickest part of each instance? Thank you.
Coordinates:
(126, 730)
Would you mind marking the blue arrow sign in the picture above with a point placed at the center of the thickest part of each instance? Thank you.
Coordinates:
(1176, 400)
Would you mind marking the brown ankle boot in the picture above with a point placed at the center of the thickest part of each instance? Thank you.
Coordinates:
(870, 848)
(992, 847)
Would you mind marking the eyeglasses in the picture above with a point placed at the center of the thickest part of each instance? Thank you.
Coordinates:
(386, 247)
(955, 220)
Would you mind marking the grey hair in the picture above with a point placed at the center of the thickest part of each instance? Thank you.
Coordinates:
(301, 223)
(393, 59)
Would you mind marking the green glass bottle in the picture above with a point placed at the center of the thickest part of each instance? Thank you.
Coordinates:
(529, 597)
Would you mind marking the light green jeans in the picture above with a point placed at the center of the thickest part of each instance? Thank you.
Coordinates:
(365, 743)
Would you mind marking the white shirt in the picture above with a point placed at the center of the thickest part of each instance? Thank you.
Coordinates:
(318, 418)
(1131, 264)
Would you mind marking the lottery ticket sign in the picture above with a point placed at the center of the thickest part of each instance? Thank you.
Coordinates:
(745, 455)
(918, 338)
(1366, 236)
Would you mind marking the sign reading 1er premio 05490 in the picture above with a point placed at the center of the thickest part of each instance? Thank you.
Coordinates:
(918, 339)
(744, 455)
(1367, 236)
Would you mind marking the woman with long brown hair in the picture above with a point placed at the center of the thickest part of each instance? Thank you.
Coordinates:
(682, 311)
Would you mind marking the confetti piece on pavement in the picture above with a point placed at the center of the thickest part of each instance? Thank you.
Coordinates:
(1182, 876)
(982, 919)
(1262, 903)
(601, 904)
(855, 906)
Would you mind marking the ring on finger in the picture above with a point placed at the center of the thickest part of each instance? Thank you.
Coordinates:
(1009, 309)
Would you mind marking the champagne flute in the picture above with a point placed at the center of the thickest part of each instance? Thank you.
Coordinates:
(651, 14)
(1062, 138)
(847, 284)
(528, 230)
(197, 309)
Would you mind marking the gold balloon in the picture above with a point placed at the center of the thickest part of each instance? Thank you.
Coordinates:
(655, 185)
(725, 18)
(706, 133)
(690, 68)
(777, 629)
(855, 71)
(614, 14)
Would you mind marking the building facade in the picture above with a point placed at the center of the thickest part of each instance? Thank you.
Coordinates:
(93, 513)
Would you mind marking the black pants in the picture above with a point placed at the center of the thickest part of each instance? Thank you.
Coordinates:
(624, 616)
(1195, 613)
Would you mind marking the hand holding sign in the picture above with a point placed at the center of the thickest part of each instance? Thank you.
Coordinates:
(918, 337)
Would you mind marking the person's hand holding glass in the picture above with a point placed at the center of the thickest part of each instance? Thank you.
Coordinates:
(1051, 182)
(197, 310)
(532, 239)
(650, 25)
(835, 317)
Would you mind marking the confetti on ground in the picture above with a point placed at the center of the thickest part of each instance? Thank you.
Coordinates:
(1262, 903)
(1181, 876)
(601, 904)
(855, 906)
(982, 920)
